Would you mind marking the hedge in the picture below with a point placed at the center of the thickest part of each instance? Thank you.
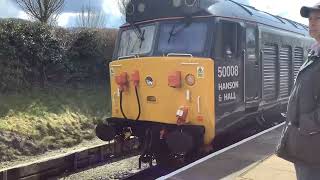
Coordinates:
(33, 54)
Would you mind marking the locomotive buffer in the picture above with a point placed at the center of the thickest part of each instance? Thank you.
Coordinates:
(250, 159)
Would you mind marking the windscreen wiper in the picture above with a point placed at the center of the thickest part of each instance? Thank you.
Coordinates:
(138, 31)
(188, 22)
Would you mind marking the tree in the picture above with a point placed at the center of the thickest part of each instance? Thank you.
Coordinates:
(123, 6)
(42, 10)
(91, 18)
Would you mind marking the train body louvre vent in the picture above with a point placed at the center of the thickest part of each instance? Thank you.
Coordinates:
(297, 61)
(284, 64)
(269, 72)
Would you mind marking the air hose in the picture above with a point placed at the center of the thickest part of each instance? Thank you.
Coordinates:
(121, 105)
(138, 100)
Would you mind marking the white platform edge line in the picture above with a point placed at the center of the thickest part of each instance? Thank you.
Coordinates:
(219, 152)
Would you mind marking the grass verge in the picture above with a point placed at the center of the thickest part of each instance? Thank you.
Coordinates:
(34, 122)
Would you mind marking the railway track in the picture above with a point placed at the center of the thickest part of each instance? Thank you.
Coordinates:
(100, 155)
(71, 162)
(159, 171)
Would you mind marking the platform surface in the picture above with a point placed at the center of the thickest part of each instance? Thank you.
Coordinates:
(250, 159)
(272, 168)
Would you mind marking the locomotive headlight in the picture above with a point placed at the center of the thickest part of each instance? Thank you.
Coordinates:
(176, 3)
(149, 81)
(141, 7)
(190, 2)
(130, 9)
(190, 79)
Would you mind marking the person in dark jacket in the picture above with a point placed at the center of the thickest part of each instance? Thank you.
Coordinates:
(303, 110)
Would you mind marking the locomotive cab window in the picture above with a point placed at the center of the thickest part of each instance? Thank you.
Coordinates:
(228, 40)
(251, 43)
(136, 40)
(182, 37)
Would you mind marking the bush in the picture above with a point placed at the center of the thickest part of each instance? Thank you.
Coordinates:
(28, 50)
(33, 53)
(90, 51)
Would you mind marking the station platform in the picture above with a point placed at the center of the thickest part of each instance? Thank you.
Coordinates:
(250, 159)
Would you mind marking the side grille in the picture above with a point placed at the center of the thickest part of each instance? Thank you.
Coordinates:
(269, 72)
(284, 63)
(297, 60)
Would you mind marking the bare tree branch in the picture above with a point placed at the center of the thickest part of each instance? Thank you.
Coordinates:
(123, 6)
(91, 18)
(42, 10)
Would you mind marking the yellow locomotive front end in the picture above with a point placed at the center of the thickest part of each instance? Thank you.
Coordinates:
(167, 102)
(170, 90)
(162, 80)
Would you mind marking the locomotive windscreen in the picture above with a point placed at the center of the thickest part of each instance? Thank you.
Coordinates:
(133, 42)
(163, 38)
(182, 38)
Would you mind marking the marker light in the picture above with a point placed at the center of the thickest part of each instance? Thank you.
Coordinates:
(190, 2)
(190, 79)
(141, 7)
(176, 3)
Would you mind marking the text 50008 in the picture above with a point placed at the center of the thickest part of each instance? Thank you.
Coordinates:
(228, 71)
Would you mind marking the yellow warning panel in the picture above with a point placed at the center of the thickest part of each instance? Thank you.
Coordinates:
(272, 168)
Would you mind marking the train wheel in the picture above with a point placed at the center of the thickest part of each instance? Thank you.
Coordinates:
(163, 154)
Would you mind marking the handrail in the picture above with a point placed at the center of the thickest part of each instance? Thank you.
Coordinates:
(189, 63)
(244, 57)
(126, 57)
(280, 18)
(178, 54)
(243, 7)
(116, 65)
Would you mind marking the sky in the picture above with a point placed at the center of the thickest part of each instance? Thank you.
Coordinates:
(286, 8)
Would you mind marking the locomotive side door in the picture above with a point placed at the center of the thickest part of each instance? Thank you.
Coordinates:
(251, 67)
(228, 66)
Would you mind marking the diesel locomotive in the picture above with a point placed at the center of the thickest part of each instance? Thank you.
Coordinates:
(185, 71)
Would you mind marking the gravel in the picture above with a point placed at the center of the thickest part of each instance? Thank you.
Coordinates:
(116, 170)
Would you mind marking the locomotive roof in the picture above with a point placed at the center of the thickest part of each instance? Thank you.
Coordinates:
(230, 8)
(222, 8)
